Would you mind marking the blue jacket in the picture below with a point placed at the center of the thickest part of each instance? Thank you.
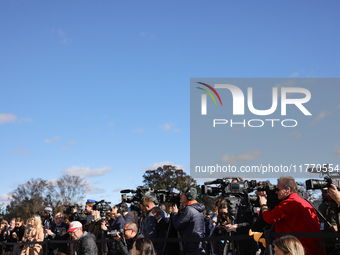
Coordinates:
(190, 224)
(152, 230)
(117, 224)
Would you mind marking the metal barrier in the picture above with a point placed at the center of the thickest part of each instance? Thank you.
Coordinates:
(269, 236)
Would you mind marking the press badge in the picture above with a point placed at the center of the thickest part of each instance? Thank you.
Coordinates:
(322, 226)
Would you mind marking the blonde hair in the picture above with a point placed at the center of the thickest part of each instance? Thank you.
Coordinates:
(38, 224)
(289, 244)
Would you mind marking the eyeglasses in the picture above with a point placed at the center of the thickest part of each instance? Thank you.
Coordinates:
(58, 218)
(72, 233)
(127, 229)
(224, 214)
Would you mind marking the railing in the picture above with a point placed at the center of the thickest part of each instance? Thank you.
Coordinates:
(269, 236)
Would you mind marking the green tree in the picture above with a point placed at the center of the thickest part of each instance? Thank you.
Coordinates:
(167, 177)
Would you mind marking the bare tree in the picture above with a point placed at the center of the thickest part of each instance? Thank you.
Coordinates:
(36, 194)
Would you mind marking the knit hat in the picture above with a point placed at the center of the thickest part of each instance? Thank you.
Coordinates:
(48, 209)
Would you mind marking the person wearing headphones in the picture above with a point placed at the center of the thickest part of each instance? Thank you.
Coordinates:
(190, 222)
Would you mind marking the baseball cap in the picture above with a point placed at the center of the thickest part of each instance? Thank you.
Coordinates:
(74, 225)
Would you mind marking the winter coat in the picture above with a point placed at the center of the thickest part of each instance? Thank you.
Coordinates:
(190, 224)
(86, 245)
(294, 215)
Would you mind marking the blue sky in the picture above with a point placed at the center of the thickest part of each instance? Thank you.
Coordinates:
(103, 88)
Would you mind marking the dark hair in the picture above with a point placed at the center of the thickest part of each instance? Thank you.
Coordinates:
(220, 217)
(145, 246)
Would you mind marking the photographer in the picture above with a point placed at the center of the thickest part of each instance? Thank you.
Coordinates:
(10, 236)
(220, 229)
(88, 209)
(116, 223)
(151, 227)
(334, 193)
(58, 231)
(190, 222)
(48, 217)
(293, 214)
(124, 245)
(95, 228)
(330, 210)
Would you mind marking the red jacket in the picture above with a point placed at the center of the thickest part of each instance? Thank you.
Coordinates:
(294, 215)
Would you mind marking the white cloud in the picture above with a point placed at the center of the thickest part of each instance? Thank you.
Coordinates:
(117, 190)
(92, 189)
(4, 198)
(320, 117)
(54, 139)
(11, 118)
(155, 165)
(63, 37)
(138, 130)
(66, 148)
(72, 142)
(244, 156)
(337, 151)
(169, 127)
(294, 74)
(20, 151)
(7, 118)
(293, 136)
(84, 172)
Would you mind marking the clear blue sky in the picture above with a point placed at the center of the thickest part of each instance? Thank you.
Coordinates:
(102, 88)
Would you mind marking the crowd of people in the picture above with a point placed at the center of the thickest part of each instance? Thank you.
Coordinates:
(120, 232)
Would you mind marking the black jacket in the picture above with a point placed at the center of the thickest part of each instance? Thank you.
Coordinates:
(59, 233)
(86, 245)
(124, 247)
(190, 224)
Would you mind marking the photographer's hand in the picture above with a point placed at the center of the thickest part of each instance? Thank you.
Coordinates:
(175, 208)
(230, 227)
(117, 238)
(263, 201)
(103, 226)
(334, 193)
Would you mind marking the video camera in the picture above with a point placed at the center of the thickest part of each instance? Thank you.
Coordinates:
(321, 184)
(102, 207)
(139, 193)
(331, 178)
(227, 188)
(168, 196)
(73, 209)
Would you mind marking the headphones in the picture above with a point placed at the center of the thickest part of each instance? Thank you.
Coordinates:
(188, 194)
(119, 208)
